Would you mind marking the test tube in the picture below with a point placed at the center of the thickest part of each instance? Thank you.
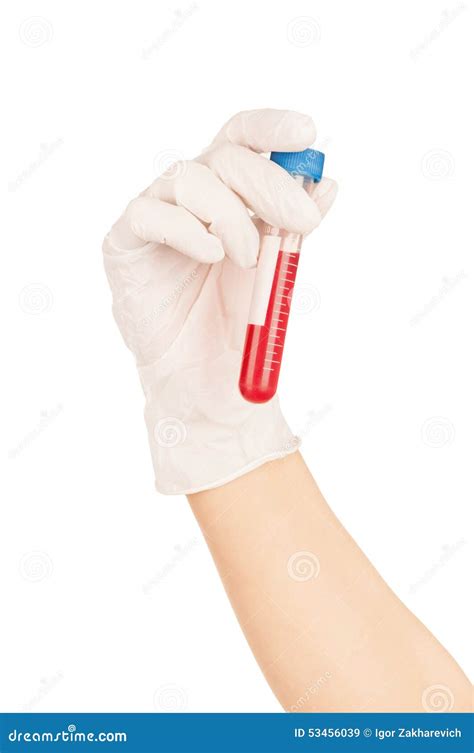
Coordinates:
(273, 289)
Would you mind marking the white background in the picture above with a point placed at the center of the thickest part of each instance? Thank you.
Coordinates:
(110, 601)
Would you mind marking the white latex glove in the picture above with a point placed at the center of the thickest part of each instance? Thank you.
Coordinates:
(180, 263)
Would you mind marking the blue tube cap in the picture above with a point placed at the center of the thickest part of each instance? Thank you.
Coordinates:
(309, 162)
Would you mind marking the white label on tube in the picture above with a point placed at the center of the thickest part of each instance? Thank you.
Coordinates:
(267, 261)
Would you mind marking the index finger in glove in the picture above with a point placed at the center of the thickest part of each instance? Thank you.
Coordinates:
(264, 187)
(268, 130)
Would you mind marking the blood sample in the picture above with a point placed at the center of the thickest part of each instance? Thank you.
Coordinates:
(273, 289)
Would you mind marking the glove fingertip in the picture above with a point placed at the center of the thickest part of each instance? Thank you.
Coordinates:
(325, 194)
(305, 130)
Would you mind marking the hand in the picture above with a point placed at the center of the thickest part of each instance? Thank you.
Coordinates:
(180, 262)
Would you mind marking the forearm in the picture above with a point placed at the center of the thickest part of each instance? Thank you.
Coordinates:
(326, 630)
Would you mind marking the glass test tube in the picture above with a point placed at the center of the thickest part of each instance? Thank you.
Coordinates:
(273, 289)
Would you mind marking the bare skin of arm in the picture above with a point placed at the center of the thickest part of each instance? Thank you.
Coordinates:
(326, 630)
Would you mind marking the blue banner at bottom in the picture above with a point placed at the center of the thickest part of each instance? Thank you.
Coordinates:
(235, 733)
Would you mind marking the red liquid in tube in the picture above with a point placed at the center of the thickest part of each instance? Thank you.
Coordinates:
(264, 343)
(273, 289)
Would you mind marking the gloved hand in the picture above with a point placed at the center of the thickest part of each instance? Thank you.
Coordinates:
(181, 264)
